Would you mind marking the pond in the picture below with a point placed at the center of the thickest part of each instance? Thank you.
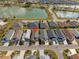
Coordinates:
(23, 13)
(66, 14)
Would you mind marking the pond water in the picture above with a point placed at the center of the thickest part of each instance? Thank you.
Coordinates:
(27, 13)
(66, 14)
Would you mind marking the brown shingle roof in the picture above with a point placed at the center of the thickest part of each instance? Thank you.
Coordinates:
(76, 56)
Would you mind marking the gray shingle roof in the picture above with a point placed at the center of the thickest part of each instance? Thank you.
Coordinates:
(52, 24)
(59, 34)
(42, 25)
(32, 25)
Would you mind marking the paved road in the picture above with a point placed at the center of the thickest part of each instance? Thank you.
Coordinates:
(57, 48)
(70, 2)
(2, 48)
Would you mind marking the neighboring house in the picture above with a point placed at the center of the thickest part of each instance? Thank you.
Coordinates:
(52, 24)
(73, 23)
(9, 35)
(41, 36)
(45, 35)
(44, 57)
(32, 57)
(60, 35)
(75, 56)
(42, 25)
(27, 36)
(3, 24)
(70, 38)
(75, 32)
(72, 52)
(18, 34)
(32, 25)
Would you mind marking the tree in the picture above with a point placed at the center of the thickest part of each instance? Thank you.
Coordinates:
(36, 53)
(66, 51)
(6, 19)
(27, 4)
(21, 42)
(68, 21)
(14, 17)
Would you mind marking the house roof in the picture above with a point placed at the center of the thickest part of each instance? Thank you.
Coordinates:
(52, 24)
(32, 25)
(75, 56)
(59, 35)
(51, 34)
(68, 35)
(43, 25)
(44, 57)
(32, 57)
(2, 23)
